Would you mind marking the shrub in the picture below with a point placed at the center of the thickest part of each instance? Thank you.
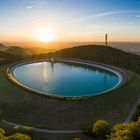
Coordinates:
(121, 131)
(129, 131)
(2, 133)
(26, 128)
(17, 127)
(19, 136)
(77, 139)
(101, 128)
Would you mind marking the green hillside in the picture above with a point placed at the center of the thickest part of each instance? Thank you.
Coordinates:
(25, 52)
(102, 54)
(8, 58)
(15, 50)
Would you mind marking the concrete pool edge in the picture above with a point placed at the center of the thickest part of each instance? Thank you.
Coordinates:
(120, 73)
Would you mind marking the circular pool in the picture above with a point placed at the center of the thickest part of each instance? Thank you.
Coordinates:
(66, 78)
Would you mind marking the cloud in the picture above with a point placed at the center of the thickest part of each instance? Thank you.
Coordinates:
(38, 2)
(43, 2)
(137, 16)
(101, 28)
(35, 3)
(29, 7)
(98, 15)
(123, 23)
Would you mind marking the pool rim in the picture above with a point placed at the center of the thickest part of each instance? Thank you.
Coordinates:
(117, 71)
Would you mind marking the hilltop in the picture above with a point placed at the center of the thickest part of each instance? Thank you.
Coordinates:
(102, 54)
(24, 52)
(87, 111)
(99, 53)
(3, 47)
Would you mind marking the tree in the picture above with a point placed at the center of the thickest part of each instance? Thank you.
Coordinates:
(121, 132)
(130, 131)
(19, 136)
(2, 133)
(101, 128)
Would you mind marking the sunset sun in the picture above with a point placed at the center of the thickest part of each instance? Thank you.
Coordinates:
(45, 35)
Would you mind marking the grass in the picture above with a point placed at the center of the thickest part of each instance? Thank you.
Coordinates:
(20, 106)
(45, 136)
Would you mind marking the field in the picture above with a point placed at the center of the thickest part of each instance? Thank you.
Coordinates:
(22, 107)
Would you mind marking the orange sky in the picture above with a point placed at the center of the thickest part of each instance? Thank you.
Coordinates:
(70, 20)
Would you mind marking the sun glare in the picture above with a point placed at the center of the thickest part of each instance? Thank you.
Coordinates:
(45, 35)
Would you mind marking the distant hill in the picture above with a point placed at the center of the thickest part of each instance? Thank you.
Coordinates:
(26, 52)
(99, 53)
(15, 50)
(7, 55)
(3, 47)
(102, 54)
(10, 54)
(8, 58)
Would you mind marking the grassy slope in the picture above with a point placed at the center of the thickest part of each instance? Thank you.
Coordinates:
(103, 54)
(44, 136)
(30, 109)
(23, 107)
(8, 58)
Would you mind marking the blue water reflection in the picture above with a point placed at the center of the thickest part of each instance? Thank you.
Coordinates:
(63, 79)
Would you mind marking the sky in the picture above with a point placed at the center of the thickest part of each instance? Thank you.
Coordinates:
(70, 20)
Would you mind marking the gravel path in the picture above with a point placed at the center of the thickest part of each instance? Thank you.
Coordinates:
(133, 110)
(45, 130)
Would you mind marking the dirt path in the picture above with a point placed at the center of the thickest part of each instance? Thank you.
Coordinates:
(133, 110)
(45, 130)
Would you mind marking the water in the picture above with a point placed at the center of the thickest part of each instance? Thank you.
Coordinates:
(61, 79)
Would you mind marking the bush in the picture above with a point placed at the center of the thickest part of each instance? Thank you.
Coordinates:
(19, 136)
(77, 139)
(129, 131)
(2, 133)
(26, 128)
(121, 131)
(101, 128)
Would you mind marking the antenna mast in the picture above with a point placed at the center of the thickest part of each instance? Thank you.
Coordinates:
(106, 41)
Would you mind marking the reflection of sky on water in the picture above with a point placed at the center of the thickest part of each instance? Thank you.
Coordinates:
(65, 79)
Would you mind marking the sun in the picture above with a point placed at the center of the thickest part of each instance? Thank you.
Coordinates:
(45, 35)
